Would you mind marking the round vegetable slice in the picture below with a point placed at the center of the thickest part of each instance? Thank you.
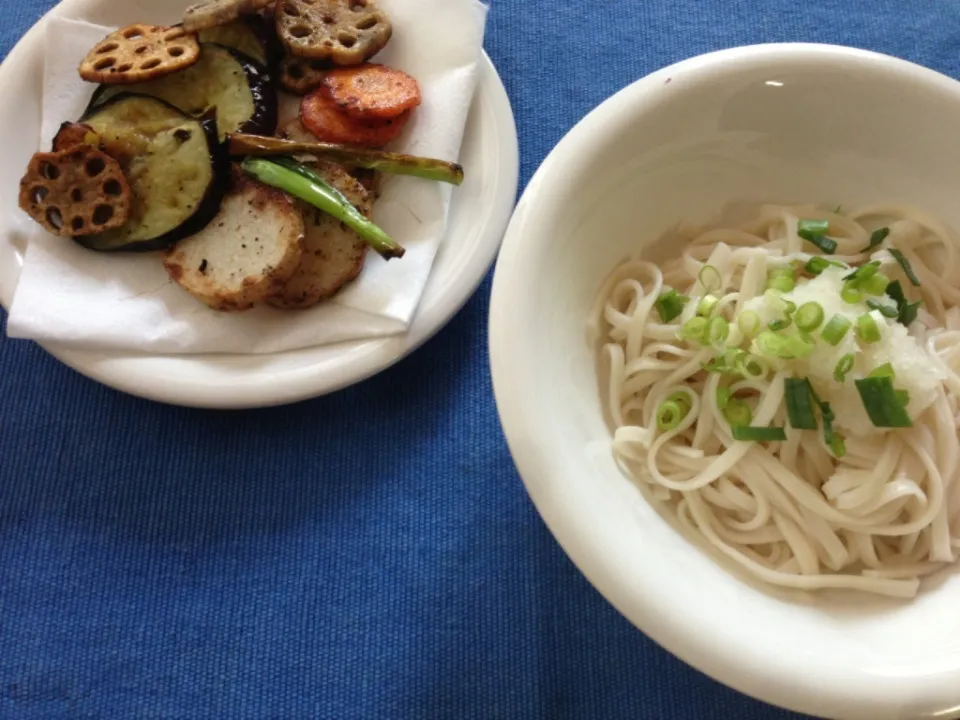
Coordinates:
(323, 119)
(173, 165)
(371, 92)
(139, 52)
(77, 191)
(238, 87)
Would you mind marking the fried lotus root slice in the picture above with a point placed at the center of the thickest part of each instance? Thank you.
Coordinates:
(323, 119)
(347, 32)
(301, 75)
(75, 192)
(372, 91)
(138, 53)
(219, 12)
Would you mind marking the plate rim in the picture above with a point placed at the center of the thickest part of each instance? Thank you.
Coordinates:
(368, 357)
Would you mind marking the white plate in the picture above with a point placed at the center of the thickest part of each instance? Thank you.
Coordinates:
(479, 214)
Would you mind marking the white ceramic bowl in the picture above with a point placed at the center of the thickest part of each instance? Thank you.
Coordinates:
(786, 123)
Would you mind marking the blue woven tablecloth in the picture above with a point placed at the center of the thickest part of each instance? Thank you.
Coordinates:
(371, 554)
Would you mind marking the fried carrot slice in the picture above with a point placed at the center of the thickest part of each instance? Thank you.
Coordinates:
(372, 91)
(325, 121)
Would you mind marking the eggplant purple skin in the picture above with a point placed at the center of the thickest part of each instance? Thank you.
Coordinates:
(264, 92)
(206, 209)
(262, 88)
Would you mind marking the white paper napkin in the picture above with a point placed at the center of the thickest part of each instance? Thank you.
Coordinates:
(85, 299)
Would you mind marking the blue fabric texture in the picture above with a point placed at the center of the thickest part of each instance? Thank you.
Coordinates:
(371, 554)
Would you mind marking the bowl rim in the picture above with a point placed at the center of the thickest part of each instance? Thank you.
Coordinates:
(855, 695)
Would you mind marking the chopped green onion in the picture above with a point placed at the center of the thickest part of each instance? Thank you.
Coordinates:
(782, 284)
(780, 324)
(867, 328)
(781, 279)
(737, 413)
(903, 397)
(681, 398)
(718, 330)
(881, 402)
(864, 272)
(837, 445)
(836, 210)
(771, 344)
(749, 323)
(905, 265)
(844, 366)
(817, 227)
(789, 308)
(670, 415)
(710, 279)
(809, 316)
(815, 231)
(694, 329)
(800, 403)
(850, 293)
(723, 397)
(748, 433)
(670, 305)
(799, 346)
(835, 330)
(885, 370)
(876, 239)
(751, 367)
(907, 310)
(706, 305)
(876, 285)
(817, 265)
(886, 310)
(774, 300)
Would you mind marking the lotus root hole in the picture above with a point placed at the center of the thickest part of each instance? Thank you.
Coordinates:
(176, 51)
(132, 33)
(348, 41)
(126, 67)
(50, 171)
(108, 47)
(77, 224)
(329, 19)
(55, 218)
(358, 5)
(367, 23)
(150, 64)
(295, 71)
(113, 187)
(141, 50)
(76, 195)
(38, 194)
(95, 166)
(300, 31)
(328, 43)
(105, 63)
(291, 10)
(102, 214)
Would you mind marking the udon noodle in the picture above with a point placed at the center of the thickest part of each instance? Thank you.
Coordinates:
(846, 505)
